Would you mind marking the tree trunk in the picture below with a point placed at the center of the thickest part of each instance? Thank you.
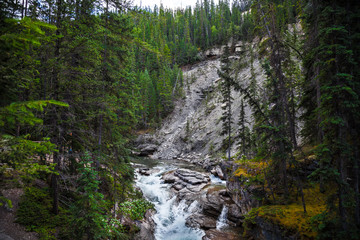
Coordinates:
(356, 184)
(229, 127)
(56, 128)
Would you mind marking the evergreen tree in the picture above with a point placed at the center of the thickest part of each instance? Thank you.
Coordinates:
(227, 84)
(332, 60)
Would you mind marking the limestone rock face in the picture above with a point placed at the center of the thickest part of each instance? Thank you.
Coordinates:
(192, 131)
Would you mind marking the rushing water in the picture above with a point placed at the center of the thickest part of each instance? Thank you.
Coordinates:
(222, 220)
(170, 216)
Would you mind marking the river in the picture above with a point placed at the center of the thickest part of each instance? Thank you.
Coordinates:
(171, 215)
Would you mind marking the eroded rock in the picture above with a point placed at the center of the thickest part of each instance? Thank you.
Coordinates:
(219, 172)
(201, 221)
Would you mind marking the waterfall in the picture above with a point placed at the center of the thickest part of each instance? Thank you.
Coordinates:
(222, 220)
(170, 217)
(217, 181)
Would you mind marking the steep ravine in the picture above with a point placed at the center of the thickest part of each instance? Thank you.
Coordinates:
(192, 131)
(192, 134)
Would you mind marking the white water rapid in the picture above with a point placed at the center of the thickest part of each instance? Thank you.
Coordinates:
(222, 220)
(170, 216)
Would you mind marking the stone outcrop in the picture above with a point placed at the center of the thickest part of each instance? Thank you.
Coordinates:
(146, 171)
(146, 226)
(146, 149)
(186, 184)
(201, 221)
(244, 196)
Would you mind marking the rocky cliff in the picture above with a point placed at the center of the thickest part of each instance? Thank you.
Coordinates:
(192, 131)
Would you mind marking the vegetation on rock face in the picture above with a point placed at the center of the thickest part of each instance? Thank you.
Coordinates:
(135, 209)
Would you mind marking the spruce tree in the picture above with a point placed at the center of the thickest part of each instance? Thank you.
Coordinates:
(227, 84)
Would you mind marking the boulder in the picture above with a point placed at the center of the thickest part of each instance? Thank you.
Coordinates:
(192, 177)
(196, 188)
(144, 171)
(147, 149)
(212, 203)
(169, 177)
(219, 172)
(201, 221)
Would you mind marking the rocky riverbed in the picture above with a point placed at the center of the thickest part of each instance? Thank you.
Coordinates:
(189, 204)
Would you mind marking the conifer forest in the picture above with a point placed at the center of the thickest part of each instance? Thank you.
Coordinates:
(244, 114)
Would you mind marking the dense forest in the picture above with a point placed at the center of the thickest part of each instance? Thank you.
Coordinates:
(79, 80)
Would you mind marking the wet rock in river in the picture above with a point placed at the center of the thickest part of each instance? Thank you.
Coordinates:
(192, 177)
(196, 188)
(178, 186)
(200, 221)
(146, 171)
(212, 203)
(219, 172)
(169, 177)
(186, 184)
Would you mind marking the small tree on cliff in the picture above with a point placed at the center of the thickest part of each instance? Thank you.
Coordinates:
(226, 84)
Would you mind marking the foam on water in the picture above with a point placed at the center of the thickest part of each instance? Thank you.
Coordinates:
(216, 180)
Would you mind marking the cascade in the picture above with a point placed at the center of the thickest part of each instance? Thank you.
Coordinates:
(170, 215)
(222, 220)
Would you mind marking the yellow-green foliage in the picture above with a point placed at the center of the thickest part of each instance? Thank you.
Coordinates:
(292, 216)
(250, 168)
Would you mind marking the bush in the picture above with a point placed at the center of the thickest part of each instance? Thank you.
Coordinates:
(135, 209)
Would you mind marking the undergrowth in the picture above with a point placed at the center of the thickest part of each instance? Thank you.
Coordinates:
(35, 214)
